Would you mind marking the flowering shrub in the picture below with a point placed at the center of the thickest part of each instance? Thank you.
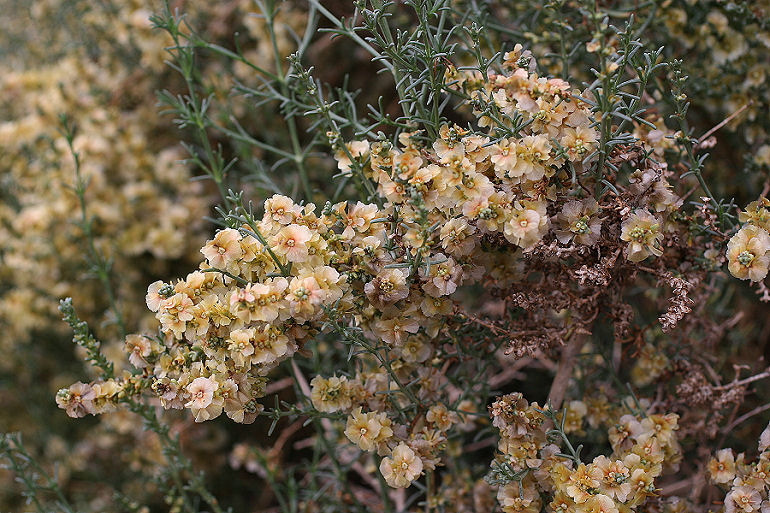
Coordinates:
(494, 235)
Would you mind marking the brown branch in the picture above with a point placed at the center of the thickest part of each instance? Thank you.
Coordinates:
(729, 118)
(279, 385)
(563, 374)
(739, 383)
(745, 417)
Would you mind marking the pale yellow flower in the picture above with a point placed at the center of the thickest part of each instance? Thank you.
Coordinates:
(402, 467)
(722, 467)
(368, 430)
(643, 233)
(747, 253)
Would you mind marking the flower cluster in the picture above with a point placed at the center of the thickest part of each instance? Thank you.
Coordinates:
(748, 482)
(539, 471)
(454, 212)
(478, 188)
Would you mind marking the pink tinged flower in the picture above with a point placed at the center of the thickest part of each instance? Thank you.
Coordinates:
(744, 499)
(504, 157)
(387, 287)
(523, 223)
(138, 348)
(270, 345)
(291, 242)
(243, 301)
(281, 209)
(202, 392)
(77, 401)
(472, 208)
(179, 306)
(304, 295)
(446, 280)
(358, 219)
(154, 297)
(224, 250)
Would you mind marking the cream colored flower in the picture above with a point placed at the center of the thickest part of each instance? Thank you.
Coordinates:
(154, 297)
(515, 497)
(527, 225)
(757, 213)
(643, 233)
(599, 503)
(504, 157)
(457, 237)
(579, 142)
(270, 344)
(441, 417)
(330, 394)
(722, 468)
(613, 477)
(356, 149)
(387, 287)
(415, 349)
(402, 467)
(581, 484)
(578, 220)
(368, 430)
(747, 253)
(241, 346)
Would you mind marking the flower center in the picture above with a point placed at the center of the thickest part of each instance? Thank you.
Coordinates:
(745, 258)
(580, 226)
(637, 233)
